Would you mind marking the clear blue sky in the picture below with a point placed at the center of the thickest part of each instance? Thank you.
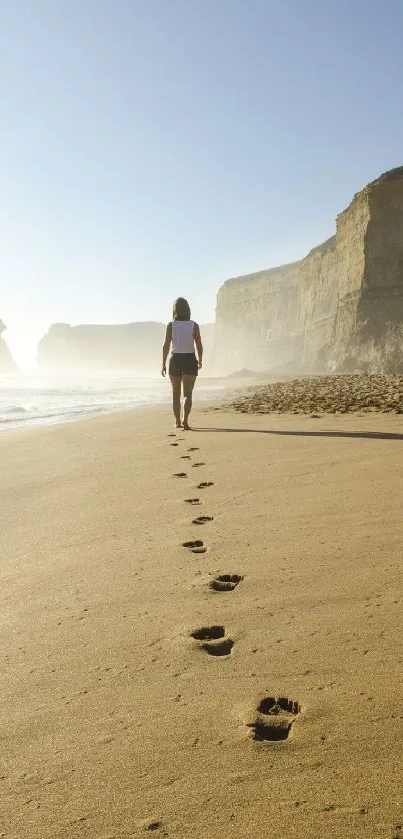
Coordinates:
(151, 148)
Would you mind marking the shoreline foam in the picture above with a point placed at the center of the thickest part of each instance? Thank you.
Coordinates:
(29, 402)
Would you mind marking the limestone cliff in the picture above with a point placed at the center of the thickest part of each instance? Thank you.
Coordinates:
(340, 308)
(135, 347)
(7, 364)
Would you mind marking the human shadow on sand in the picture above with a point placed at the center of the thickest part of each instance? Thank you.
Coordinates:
(365, 435)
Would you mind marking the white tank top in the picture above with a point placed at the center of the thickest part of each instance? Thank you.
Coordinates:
(182, 336)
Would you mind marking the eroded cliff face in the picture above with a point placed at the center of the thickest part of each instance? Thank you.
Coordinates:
(255, 313)
(135, 347)
(340, 308)
(7, 363)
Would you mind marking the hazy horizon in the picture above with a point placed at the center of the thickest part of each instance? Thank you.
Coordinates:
(151, 150)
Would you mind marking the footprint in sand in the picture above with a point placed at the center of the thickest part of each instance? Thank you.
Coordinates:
(174, 444)
(194, 465)
(226, 582)
(192, 500)
(213, 640)
(193, 449)
(180, 475)
(185, 456)
(205, 484)
(172, 435)
(154, 826)
(202, 519)
(196, 546)
(275, 718)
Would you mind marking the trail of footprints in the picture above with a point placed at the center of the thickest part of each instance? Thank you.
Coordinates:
(274, 717)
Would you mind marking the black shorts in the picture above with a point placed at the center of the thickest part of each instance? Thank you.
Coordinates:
(183, 364)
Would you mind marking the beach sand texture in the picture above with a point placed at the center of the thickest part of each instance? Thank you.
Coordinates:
(136, 698)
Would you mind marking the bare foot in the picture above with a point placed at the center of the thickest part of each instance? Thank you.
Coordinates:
(186, 427)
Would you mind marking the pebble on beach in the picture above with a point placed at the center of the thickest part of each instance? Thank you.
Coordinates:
(337, 394)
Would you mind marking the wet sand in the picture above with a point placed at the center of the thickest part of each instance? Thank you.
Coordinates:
(282, 717)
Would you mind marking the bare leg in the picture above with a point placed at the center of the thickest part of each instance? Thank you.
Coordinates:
(188, 385)
(176, 382)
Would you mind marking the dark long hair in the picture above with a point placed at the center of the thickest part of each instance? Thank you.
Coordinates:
(181, 309)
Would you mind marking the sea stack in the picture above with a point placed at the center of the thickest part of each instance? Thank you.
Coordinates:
(7, 363)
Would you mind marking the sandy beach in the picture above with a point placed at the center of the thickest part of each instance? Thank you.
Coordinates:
(282, 718)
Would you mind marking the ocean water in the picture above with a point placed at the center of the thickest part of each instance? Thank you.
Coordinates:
(32, 400)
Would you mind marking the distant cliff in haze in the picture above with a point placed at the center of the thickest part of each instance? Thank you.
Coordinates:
(7, 363)
(133, 347)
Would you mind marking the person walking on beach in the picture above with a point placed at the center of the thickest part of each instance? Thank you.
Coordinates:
(184, 335)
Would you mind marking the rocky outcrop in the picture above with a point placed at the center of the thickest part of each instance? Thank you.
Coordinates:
(339, 309)
(134, 347)
(7, 364)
